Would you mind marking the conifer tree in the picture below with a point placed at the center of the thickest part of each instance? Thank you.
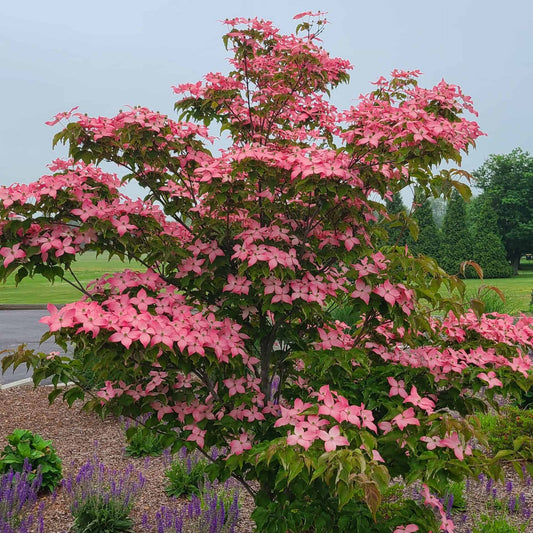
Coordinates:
(456, 246)
(428, 240)
(397, 230)
(488, 249)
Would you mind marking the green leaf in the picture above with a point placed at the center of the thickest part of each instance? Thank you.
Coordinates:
(345, 494)
(24, 449)
(372, 497)
(73, 394)
(503, 453)
(295, 468)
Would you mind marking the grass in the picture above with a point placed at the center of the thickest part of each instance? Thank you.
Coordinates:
(39, 290)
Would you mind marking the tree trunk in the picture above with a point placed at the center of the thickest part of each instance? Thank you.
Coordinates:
(515, 262)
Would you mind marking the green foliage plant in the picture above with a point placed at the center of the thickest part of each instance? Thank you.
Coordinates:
(495, 524)
(455, 497)
(23, 445)
(512, 424)
(142, 442)
(490, 298)
(185, 476)
(95, 515)
(224, 336)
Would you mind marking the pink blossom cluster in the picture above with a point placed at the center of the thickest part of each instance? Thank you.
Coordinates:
(308, 427)
(131, 314)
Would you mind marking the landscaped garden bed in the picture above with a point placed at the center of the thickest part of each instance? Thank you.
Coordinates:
(78, 437)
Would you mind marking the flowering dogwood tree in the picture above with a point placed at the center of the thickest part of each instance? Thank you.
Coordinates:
(229, 332)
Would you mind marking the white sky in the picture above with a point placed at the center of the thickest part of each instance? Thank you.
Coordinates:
(104, 55)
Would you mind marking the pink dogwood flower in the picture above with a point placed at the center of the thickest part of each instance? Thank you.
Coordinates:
(333, 438)
(490, 378)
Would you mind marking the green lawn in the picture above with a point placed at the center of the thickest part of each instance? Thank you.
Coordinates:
(40, 291)
(517, 290)
(88, 267)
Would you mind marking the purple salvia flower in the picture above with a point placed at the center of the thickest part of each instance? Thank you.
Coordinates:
(144, 521)
(522, 499)
(167, 457)
(512, 504)
(17, 496)
(449, 505)
(182, 454)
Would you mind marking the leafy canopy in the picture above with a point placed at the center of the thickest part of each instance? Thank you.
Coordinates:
(507, 183)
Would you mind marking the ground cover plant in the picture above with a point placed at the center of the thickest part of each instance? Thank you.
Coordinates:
(227, 334)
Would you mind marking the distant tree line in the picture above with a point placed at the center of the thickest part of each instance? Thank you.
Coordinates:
(494, 229)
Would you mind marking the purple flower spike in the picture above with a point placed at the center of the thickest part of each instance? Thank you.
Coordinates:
(512, 504)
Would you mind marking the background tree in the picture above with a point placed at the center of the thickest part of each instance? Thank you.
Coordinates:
(456, 243)
(438, 205)
(397, 230)
(507, 184)
(428, 241)
(487, 247)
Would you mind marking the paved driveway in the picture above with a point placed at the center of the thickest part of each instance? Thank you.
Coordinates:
(22, 326)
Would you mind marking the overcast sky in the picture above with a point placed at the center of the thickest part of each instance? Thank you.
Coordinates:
(104, 55)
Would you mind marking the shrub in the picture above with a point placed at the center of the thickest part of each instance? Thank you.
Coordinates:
(25, 446)
(100, 499)
(142, 442)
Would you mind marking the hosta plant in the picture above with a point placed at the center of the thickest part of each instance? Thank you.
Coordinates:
(25, 447)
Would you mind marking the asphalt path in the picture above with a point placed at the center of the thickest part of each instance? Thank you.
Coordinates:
(22, 326)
